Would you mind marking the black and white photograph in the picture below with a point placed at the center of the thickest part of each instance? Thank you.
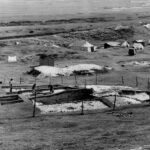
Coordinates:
(74, 74)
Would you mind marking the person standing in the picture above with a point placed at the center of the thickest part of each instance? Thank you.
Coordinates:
(10, 85)
(34, 87)
(51, 88)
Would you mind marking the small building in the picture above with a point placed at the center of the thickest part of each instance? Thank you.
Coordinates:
(83, 45)
(132, 51)
(46, 60)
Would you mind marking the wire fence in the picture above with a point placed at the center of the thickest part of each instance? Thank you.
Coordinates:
(77, 80)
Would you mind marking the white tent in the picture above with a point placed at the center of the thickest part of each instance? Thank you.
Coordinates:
(125, 44)
(12, 59)
(17, 42)
(147, 26)
(139, 41)
(138, 46)
(83, 44)
(89, 46)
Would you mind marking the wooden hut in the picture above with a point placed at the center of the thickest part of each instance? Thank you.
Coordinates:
(46, 60)
(132, 52)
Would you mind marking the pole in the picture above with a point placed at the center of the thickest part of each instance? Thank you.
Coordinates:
(122, 80)
(4, 80)
(136, 81)
(85, 83)
(20, 80)
(61, 79)
(82, 108)
(115, 102)
(75, 78)
(50, 80)
(35, 80)
(96, 79)
(34, 107)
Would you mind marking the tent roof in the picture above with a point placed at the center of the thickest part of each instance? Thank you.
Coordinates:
(139, 41)
(113, 43)
(125, 42)
(137, 44)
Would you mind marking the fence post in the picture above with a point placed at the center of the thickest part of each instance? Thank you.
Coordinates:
(4, 80)
(82, 108)
(137, 82)
(35, 80)
(34, 105)
(75, 78)
(96, 78)
(122, 79)
(114, 106)
(20, 80)
(61, 79)
(85, 83)
(50, 80)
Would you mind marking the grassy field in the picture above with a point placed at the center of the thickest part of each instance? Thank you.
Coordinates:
(124, 129)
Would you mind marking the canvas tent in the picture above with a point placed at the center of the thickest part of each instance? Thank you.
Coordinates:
(17, 43)
(139, 41)
(138, 46)
(125, 44)
(147, 26)
(111, 44)
(84, 45)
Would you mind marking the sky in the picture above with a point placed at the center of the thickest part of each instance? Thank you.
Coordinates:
(57, 7)
(54, 6)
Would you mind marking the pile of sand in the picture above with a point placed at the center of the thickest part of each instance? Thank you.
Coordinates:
(67, 71)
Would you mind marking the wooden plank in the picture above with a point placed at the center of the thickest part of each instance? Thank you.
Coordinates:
(9, 98)
(38, 87)
(39, 90)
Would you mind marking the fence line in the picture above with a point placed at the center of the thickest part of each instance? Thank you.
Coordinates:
(76, 80)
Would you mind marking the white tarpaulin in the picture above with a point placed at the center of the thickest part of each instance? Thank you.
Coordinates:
(12, 59)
